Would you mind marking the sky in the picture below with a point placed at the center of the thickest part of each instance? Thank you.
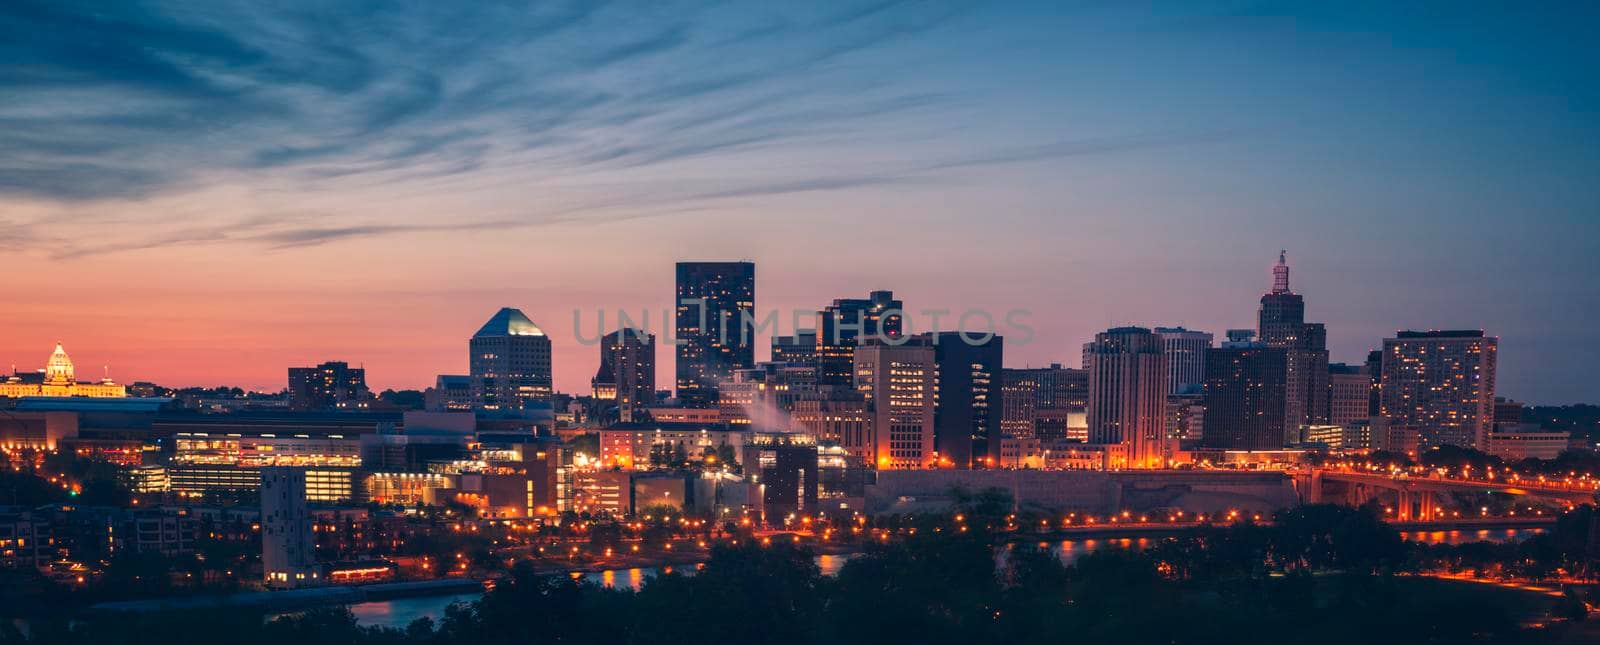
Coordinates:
(208, 193)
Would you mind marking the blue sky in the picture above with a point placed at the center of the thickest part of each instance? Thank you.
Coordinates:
(1427, 165)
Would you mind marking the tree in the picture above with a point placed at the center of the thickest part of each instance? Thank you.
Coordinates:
(407, 399)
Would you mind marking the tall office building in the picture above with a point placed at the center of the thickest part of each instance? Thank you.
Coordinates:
(1282, 324)
(1186, 415)
(1349, 392)
(715, 304)
(1019, 394)
(1128, 394)
(509, 362)
(842, 326)
(627, 373)
(899, 384)
(968, 411)
(1442, 384)
(1047, 403)
(1245, 394)
(839, 418)
(326, 386)
(1186, 358)
(288, 553)
(1375, 374)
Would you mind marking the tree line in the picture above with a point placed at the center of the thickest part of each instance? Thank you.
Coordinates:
(1316, 574)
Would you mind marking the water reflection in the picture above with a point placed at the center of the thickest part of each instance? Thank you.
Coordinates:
(403, 611)
(1470, 535)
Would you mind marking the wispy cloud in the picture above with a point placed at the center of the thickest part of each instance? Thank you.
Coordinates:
(95, 93)
(319, 100)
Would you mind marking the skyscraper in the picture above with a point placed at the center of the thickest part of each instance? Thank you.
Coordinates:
(326, 386)
(1128, 394)
(1442, 384)
(899, 383)
(627, 371)
(967, 413)
(1282, 324)
(288, 552)
(1047, 403)
(842, 325)
(1245, 393)
(715, 304)
(1186, 358)
(1349, 390)
(509, 362)
(1375, 374)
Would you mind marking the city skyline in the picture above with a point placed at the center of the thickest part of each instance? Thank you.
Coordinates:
(582, 342)
(936, 321)
(219, 193)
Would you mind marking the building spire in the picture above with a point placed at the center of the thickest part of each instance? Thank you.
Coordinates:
(1280, 273)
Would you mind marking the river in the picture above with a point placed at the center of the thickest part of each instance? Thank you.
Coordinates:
(400, 612)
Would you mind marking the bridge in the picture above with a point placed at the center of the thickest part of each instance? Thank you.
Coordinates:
(1419, 497)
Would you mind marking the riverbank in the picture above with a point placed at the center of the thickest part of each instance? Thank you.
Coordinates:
(663, 560)
(299, 599)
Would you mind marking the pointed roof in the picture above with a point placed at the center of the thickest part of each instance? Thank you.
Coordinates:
(604, 374)
(508, 322)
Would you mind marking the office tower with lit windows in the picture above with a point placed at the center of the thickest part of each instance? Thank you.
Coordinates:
(288, 552)
(899, 384)
(1442, 384)
(1186, 415)
(1349, 391)
(967, 416)
(627, 373)
(1375, 375)
(1045, 403)
(762, 398)
(1245, 391)
(326, 386)
(715, 304)
(1186, 358)
(510, 363)
(839, 418)
(799, 347)
(1282, 324)
(1128, 394)
(1508, 411)
(450, 392)
(1019, 394)
(842, 326)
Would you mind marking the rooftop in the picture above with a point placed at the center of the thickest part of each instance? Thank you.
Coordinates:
(1441, 333)
(508, 322)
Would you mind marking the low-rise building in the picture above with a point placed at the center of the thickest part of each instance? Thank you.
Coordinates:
(629, 445)
(1072, 455)
(1518, 441)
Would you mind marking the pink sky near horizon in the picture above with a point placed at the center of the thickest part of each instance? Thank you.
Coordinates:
(250, 315)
